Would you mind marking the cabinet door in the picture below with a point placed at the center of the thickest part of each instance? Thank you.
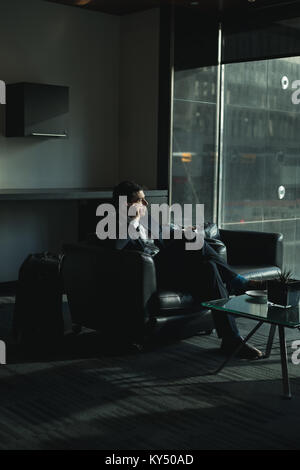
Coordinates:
(46, 110)
(37, 109)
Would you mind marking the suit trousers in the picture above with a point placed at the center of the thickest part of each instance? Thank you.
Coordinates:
(203, 273)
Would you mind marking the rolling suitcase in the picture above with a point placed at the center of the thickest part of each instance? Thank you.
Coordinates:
(38, 318)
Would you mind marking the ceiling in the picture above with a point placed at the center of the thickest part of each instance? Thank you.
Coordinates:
(215, 7)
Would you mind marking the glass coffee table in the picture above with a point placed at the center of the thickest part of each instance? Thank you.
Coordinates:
(262, 312)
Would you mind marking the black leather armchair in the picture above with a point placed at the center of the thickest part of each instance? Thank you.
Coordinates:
(255, 255)
(116, 292)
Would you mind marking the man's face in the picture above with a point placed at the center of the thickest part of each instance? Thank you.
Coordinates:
(138, 200)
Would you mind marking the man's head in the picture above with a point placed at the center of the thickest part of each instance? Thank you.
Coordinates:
(133, 191)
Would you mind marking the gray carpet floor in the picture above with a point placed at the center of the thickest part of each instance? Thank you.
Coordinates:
(162, 398)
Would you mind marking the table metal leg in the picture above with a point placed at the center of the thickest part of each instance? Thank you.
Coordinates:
(284, 368)
(270, 341)
(238, 348)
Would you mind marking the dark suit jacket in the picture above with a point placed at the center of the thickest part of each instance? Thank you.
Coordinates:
(129, 243)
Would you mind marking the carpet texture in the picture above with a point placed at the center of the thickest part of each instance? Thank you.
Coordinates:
(89, 397)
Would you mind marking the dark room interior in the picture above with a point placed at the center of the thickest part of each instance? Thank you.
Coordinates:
(145, 345)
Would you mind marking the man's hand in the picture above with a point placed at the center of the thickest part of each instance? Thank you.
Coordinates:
(137, 210)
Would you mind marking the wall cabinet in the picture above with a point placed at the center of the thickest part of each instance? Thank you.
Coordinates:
(34, 109)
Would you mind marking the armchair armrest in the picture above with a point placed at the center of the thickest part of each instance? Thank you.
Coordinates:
(109, 290)
(246, 247)
(144, 272)
(218, 246)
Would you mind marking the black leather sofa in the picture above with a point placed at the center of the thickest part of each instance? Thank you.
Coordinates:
(116, 292)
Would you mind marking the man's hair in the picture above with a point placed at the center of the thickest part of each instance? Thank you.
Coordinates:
(126, 188)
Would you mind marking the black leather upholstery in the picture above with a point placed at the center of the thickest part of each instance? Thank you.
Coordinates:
(175, 302)
(211, 230)
(116, 292)
(250, 248)
(109, 290)
(218, 246)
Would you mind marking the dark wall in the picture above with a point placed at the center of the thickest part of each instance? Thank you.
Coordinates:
(45, 42)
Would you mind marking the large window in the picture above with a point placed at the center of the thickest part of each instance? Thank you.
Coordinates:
(236, 139)
(261, 150)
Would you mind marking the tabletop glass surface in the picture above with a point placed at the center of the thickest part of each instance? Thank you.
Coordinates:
(246, 306)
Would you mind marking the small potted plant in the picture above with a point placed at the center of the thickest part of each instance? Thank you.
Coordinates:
(284, 291)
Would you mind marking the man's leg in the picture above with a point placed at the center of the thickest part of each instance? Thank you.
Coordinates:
(176, 249)
(199, 274)
(236, 284)
(212, 287)
(227, 274)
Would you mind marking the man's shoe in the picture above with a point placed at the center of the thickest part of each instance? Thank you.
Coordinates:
(246, 352)
(239, 285)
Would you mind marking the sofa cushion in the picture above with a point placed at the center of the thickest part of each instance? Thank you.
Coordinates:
(173, 302)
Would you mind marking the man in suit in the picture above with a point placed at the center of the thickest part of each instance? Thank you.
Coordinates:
(202, 272)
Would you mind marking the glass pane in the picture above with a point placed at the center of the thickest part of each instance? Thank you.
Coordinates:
(283, 138)
(261, 142)
(244, 142)
(194, 137)
(245, 84)
(197, 85)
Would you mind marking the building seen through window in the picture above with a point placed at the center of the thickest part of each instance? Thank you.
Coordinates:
(254, 184)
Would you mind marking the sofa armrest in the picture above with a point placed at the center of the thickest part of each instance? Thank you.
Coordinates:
(251, 248)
